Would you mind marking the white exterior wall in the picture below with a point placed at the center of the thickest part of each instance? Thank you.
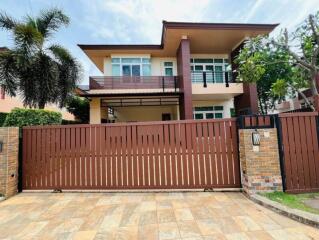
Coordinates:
(157, 66)
(227, 104)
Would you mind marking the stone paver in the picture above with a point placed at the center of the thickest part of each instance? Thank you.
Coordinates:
(192, 215)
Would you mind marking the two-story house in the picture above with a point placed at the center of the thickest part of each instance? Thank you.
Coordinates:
(188, 76)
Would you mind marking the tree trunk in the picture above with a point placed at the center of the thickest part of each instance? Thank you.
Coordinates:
(314, 84)
(41, 105)
(306, 99)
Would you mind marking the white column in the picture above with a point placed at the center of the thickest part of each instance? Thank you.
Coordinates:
(95, 111)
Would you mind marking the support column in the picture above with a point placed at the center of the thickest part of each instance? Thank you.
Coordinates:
(95, 111)
(9, 150)
(185, 82)
(260, 165)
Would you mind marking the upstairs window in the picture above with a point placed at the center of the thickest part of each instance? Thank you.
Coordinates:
(168, 67)
(131, 66)
(215, 68)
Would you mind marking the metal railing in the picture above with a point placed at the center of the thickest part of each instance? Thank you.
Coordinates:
(208, 77)
(135, 82)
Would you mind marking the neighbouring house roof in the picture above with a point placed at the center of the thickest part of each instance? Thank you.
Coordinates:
(205, 38)
(2, 49)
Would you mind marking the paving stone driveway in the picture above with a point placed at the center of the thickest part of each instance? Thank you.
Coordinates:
(192, 215)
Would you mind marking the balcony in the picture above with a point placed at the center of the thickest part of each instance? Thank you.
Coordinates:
(214, 85)
(208, 77)
(135, 84)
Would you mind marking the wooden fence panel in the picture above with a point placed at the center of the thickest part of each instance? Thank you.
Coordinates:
(151, 155)
(299, 143)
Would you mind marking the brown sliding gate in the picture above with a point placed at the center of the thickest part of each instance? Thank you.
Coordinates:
(298, 134)
(150, 155)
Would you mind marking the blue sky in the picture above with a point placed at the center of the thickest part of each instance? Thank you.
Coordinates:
(140, 21)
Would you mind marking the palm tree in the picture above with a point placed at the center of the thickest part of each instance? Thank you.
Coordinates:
(35, 69)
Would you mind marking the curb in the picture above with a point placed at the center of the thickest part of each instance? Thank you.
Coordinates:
(295, 214)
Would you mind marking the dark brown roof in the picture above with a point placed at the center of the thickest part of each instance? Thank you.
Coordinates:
(178, 25)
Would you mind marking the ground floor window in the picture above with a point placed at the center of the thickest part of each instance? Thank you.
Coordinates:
(208, 112)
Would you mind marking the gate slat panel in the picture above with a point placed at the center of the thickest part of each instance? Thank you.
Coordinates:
(311, 159)
(304, 161)
(194, 150)
(299, 160)
(218, 154)
(135, 156)
(68, 158)
(180, 154)
(183, 158)
(108, 152)
(162, 156)
(190, 164)
(212, 160)
(151, 156)
(206, 155)
(63, 158)
(157, 169)
(103, 157)
(230, 167)
(178, 147)
(73, 159)
(129, 157)
(315, 144)
(300, 151)
(235, 153)
(98, 157)
(167, 157)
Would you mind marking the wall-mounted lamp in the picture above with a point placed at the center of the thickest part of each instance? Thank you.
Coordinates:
(1, 146)
(255, 137)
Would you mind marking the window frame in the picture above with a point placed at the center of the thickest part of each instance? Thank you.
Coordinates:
(168, 67)
(213, 109)
(143, 61)
(194, 62)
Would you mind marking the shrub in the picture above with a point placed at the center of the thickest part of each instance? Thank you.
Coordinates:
(20, 117)
(2, 118)
(79, 107)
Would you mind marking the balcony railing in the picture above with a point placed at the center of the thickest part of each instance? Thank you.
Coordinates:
(209, 77)
(135, 82)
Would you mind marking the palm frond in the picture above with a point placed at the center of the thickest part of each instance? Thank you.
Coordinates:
(8, 73)
(69, 72)
(7, 22)
(27, 37)
(51, 20)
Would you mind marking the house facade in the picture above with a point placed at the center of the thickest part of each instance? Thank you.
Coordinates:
(190, 75)
(298, 103)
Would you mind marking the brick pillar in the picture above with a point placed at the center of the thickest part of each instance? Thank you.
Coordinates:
(9, 161)
(260, 165)
(185, 82)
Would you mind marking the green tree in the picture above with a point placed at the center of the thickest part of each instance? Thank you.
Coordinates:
(297, 54)
(40, 71)
(79, 107)
(260, 64)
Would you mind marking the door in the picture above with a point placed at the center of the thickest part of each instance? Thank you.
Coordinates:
(166, 117)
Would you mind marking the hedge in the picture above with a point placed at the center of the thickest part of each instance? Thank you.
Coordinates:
(20, 117)
(2, 118)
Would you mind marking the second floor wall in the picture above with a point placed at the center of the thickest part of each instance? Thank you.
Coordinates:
(145, 65)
